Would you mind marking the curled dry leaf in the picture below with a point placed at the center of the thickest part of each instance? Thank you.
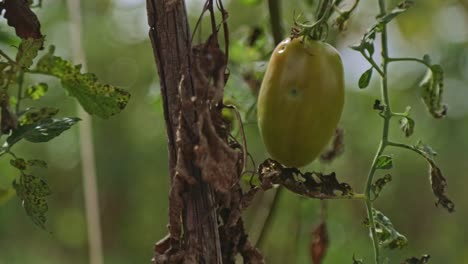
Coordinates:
(310, 184)
(22, 18)
(439, 184)
(218, 160)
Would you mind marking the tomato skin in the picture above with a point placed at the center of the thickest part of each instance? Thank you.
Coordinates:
(300, 101)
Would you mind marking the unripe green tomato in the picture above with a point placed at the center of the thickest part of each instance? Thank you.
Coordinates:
(300, 101)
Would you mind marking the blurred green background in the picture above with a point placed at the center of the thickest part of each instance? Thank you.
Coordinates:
(131, 152)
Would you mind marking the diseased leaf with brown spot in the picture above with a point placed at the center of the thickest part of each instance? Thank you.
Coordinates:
(19, 15)
(96, 98)
(407, 126)
(19, 163)
(437, 179)
(432, 88)
(34, 115)
(36, 91)
(423, 260)
(439, 184)
(388, 236)
(28, 50)
(37, 163)
(35, 186)
(31, 190)
(320, 242)
(379, 184)
(310, 184)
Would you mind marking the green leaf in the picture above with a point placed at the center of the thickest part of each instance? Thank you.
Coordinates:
(407, 126)
(96, 98)
(388, 237)
(28, 50)
(34, 115)
(36, 91)
(384, 162)
(365, 78)
(423, 260)
(43, 132)
(432, 88)
(379, 184)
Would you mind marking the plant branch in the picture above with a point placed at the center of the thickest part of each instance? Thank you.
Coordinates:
(373, 63)
(20, 91)
(275, 20)
(412, 148)
(387, 114)
(410, 59)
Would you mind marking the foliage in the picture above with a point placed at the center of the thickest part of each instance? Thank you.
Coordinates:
(39, 125)
(381, 229)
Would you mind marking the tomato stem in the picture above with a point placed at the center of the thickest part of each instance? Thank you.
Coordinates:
(387, 115)
(319, 29)
(373, 63)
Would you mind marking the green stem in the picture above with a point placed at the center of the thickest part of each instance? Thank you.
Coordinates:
(369, 202)
(20, 91)
(409, 59)
(356, 3)
(374, 65)
(387, 114)
(401, 145)
(10, 60)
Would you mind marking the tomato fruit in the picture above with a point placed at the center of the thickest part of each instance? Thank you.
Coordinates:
(300, 101)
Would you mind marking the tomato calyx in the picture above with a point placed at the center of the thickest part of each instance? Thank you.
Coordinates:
(317, 30)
